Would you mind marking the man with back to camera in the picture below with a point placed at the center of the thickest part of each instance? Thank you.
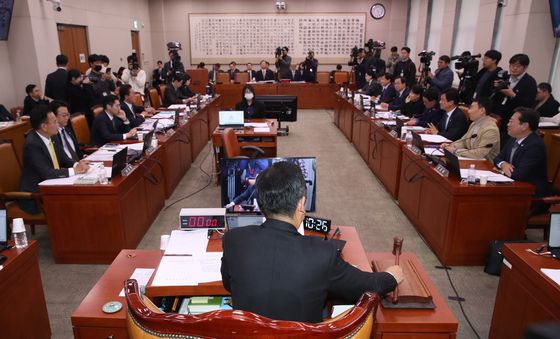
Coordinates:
(274, 271)
(453, 124)
(112, 124)
(442, 79)
(487, 74)
(43, 157)
(406, 68)
(283, 62)
(55, 85)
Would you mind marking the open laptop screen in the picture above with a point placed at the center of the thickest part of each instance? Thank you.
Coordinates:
(3, 228)
(231, 118)
(554, 232)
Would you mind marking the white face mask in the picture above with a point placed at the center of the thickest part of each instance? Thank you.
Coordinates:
(249, 96)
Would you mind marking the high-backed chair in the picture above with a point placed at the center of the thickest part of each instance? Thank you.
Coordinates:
(323, 77)
(242, 77)
(138, 100)
(222, 78)
(232, 148)
(10, 172)
(146, 321)
(155, 101)
(81, 129)
(341, 78)
(97, 109)
(542, 220)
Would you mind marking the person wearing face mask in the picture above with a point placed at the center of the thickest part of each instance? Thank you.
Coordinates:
(252, 109)
(100, 81)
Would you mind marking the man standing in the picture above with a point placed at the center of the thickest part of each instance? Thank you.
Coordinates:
(406, 68)
(310, 67)
(443, 77)
(392, 60)
(454, 123)
(112, 124)
(55, 85)
(360, 68)
(43, 157)
(487, 75)
(135, 77)
(273, 271)
(283, 62)
(157, 74)
(33, 99)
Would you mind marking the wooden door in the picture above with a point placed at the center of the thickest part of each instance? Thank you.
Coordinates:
(74, 44)
(135, 38)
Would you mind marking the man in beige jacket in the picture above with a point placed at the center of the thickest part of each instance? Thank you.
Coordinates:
(482, 140)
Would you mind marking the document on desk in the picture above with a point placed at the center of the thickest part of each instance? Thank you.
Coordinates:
(209, 264)
(177, 106)
(435, 138)
(256, 124)
(139, 146)
(142, 276)
(553, 274)
(187, 242)
(547, 124)
(492, 176)
(188, 270)
(433, 151)
(261, 129)
(93, 173)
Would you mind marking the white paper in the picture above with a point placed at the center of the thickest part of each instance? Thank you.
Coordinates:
(553, 274)
(256, 124)
(261, 130)
(433, 151)
(435, 138)
(178, 106)
(416, 128)
(492, 176)
(187, 242)
(390, 123)
(547, 124)
(209, 264)
(92, 173)
(142, 276)
(470, 159)
(176, 271)
(339, 309)
(136, 146)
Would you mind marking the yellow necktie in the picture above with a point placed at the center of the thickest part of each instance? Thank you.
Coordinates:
(53, 155)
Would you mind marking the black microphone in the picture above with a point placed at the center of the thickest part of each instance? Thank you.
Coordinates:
(485, 146)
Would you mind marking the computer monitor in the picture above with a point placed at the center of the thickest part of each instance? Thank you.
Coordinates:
(554, 232)
(238, 181)
(119, 162)
(3, 229)
(279, 107)
(452, 164)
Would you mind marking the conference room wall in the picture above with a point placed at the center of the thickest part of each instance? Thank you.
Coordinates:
(169, 20)
(33, 41)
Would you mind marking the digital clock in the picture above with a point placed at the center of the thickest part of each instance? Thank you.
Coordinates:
(317, 224)
(210, 218)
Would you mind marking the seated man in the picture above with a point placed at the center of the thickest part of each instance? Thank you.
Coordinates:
(65, 136)
(485, 129)
(135, 114)
(33, 99)
(546, 105)
(432, 113)
(274, 271)
(388, 92)
(454, 123)
(401, 93)
(413, 105)
(232, 70)
(371, 88)
(523, 158)
(43, 157)
(172, 94)
(112, 124)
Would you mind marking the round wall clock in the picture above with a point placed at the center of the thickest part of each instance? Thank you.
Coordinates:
(377, 11)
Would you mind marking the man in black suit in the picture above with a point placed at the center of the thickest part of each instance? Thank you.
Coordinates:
(112, 124)
(295, 74)
(174, 65)
(5, 115)
(520, 92)
(55, 85)
(232, 70)
(372, 87)
(388, 92)
(251, 72)
(546, 105)
(135, 114)
(264, 74)
(454, 124)
(43, 157)
(273, 271)
(172, 94)
(523, 157)
(79, 93)
(213, 74)
(401, 93)
(157, 75)
(33, 99)
(487, 74)
(406, 68)
(66, 137)
(360, 68)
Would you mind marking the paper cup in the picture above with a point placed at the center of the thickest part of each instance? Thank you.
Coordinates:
(163, 242)
(18, 226)
(483, 179)
(140, 136)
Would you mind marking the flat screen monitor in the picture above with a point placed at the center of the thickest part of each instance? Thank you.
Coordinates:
(554, 232)
(452, 164)
(3, 229)
(238, 177)
(417, 141)
(280, 107)
(119, 162)
(6, 9)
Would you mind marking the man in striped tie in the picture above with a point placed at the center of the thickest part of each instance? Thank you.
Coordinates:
(44, 157)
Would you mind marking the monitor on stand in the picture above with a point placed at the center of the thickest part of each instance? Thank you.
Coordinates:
(281, 108)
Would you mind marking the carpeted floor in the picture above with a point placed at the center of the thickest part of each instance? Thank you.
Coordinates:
(347, 193)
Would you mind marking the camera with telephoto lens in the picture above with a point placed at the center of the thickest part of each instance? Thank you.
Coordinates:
(354, 55)
(278, 51)
(502, 80)
(374, 44)
(426, 57)
(174, 46)
(466, 61)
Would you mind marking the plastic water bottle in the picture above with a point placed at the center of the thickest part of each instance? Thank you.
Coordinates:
(408, 139)
(471, 174)
(103, 180)
(19, 234)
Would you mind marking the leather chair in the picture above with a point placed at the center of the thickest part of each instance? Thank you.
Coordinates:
(97, 109)
(81, 130)
(241, 77)
(341, 78)
(10, 173)
(162, 89)
(323, 77)
(138, 99)
(146, 321)
(232, 148)
(155, 101)
(222, 78)
(541, 220)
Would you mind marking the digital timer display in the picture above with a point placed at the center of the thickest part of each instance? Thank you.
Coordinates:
(317, 224)
(202, 218)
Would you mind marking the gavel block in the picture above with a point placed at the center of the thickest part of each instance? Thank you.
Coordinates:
(413, 292)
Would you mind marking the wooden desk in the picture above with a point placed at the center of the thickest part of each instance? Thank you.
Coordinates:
(384, 158)
(416, 323)
(456, 220)
(177, 156)
(22, 302)
(525, 295)
(15, 131)
(551, 152)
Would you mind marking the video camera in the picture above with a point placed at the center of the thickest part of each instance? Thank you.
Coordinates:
(466, 61)
(278, 51)
(375, 44)
(426, 58)
(354, 56)
(467, 84)
(174, 46)
(502, 81)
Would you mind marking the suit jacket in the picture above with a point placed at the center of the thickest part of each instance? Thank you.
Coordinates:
(135, 120)
(5, 115)
(252, 74)
(255, 111)
(55, 85)
(103, 132)
(443, 79)
(388, 94)
(70, 131)
(549, 108)
(269, 75)
(529, 161)
(29, 104)
(232, 73)
(398, 102)
(408, 70)
(525, 90)
(213, 75)
(372, 88)
(172, 96)
(274, 271)
(485, 88)
(296, 75)
(413, 108)
(456, 127)
(431, 115)
(170, 68)
(487, 132)
(360, 69)
(38, 166)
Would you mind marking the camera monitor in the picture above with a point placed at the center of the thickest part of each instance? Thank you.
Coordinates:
(280, 107)
(238, 177)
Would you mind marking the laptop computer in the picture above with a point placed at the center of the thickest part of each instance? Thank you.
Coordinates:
(3, 230)
(231, 119)
(417, 141)
(554, 235)
(133, 155)
(452, 164)
(119, 162)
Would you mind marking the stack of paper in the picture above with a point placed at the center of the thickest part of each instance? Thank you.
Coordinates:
(553, 274)
(256, 124)
(433, 151)
(142, 276)
(492, 176)
(435, 138)
(188, 270)
(187, 242)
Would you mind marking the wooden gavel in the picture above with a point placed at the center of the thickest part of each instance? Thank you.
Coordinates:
(397, 249)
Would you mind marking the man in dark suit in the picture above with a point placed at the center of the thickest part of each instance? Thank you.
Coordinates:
(273, 271)
(487, 74)
(401, 93)
(520, 92)
(66, 137)
(43, 156)
(360, 68)
(135, 114)
(264, 74)
(5, 115)
(523, 157)
(79, 93)
(172, 94)
(33, 99)
(546, 105)
(55, 85)
(112, 124)
(295, 74)
(157, 75)
(406, 68)
(453, 124)
(251, 72)
(372, 87)
(213, 74)
(232, 70)
(174, 65)
(388, 92)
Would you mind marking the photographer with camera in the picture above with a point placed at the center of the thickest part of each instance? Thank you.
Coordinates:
(442, 79)
(360, 65)
(174, 65)
(283, 62)
(467, 68)
(310, 67)
(425, 62)
(488, 74)
(134, 75)
(406, 68)
(392, 60)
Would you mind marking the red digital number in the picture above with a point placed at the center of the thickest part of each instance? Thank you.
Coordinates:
(214, 222)
(200, 222)
(192, 221)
